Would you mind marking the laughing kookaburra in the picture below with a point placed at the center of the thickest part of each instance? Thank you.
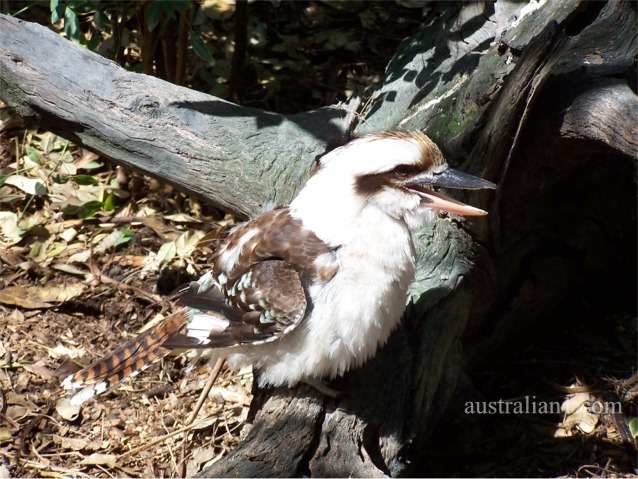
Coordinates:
(313, 289)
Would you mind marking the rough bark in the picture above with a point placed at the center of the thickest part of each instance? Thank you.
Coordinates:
(239, 158)
(541, 102)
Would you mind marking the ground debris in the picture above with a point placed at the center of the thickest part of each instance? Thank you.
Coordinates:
(74, 283)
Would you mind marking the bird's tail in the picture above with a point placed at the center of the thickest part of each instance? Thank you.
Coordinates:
(125, 361)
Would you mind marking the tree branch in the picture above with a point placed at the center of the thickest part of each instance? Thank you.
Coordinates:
(238, 158)
(600, 114)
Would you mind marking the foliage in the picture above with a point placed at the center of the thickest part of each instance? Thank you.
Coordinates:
(298, 55)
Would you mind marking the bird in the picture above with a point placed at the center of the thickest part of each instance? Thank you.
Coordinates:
(308, 291)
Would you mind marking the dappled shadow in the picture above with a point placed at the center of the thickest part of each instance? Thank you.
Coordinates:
(325, 124)
(412, 74)
(418, 67)
(428, 79)
(436, 35)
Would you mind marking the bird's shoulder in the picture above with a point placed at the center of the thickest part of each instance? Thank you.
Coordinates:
(275, 235)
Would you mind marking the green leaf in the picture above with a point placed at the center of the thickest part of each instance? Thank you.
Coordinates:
(60, 179)
(201, 49)
(56, 10)
(109, 203)
(633, 426)
(124, 237)
(35, 249)
(87, 210)
(85, 180)
(153, 15)
(3, 178)
(71, 24)
(33, 154)
(55, 249)
(91, 165)
(113, 240)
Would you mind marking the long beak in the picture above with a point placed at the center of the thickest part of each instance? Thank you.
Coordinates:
(448, 178)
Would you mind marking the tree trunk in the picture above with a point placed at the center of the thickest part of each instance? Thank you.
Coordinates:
(540, 101)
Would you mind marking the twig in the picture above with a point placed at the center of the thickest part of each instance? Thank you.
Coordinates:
(105, 471)
(150, 297)
(212, 377)
(149, 445)
(63, 470)
(170, 452)
(209, 384)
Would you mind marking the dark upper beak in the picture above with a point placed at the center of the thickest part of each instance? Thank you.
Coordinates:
(448, 178)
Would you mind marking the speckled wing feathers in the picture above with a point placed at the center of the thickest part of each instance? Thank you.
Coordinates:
(266, 302)
(263, 270)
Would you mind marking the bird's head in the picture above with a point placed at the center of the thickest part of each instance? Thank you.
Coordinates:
(394, 173)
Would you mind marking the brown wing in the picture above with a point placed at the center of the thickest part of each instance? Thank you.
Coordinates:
(263, 304)
(278, 236)
(261, 271)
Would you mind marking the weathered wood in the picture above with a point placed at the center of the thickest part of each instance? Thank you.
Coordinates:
(524, 97)
(277, 447)
(239, 158)
(604, 114)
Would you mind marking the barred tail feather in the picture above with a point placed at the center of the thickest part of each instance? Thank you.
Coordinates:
(125, 361)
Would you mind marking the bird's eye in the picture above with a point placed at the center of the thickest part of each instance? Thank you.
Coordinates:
(403, 171)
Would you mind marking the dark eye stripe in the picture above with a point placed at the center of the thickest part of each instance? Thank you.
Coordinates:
(371, 184)
(406, 170)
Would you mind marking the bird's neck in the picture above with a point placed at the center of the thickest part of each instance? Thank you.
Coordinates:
(342, 218)
(328, 209)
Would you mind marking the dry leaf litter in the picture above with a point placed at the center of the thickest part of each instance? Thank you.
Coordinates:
(88, 254)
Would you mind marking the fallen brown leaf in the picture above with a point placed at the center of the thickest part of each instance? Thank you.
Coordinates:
(5, 435)
(74, 443)
(99, 459)
(39, 369)
(161, 229)
(35, 297)
(67, 410)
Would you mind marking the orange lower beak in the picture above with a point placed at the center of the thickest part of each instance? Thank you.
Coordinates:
(438, 201)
